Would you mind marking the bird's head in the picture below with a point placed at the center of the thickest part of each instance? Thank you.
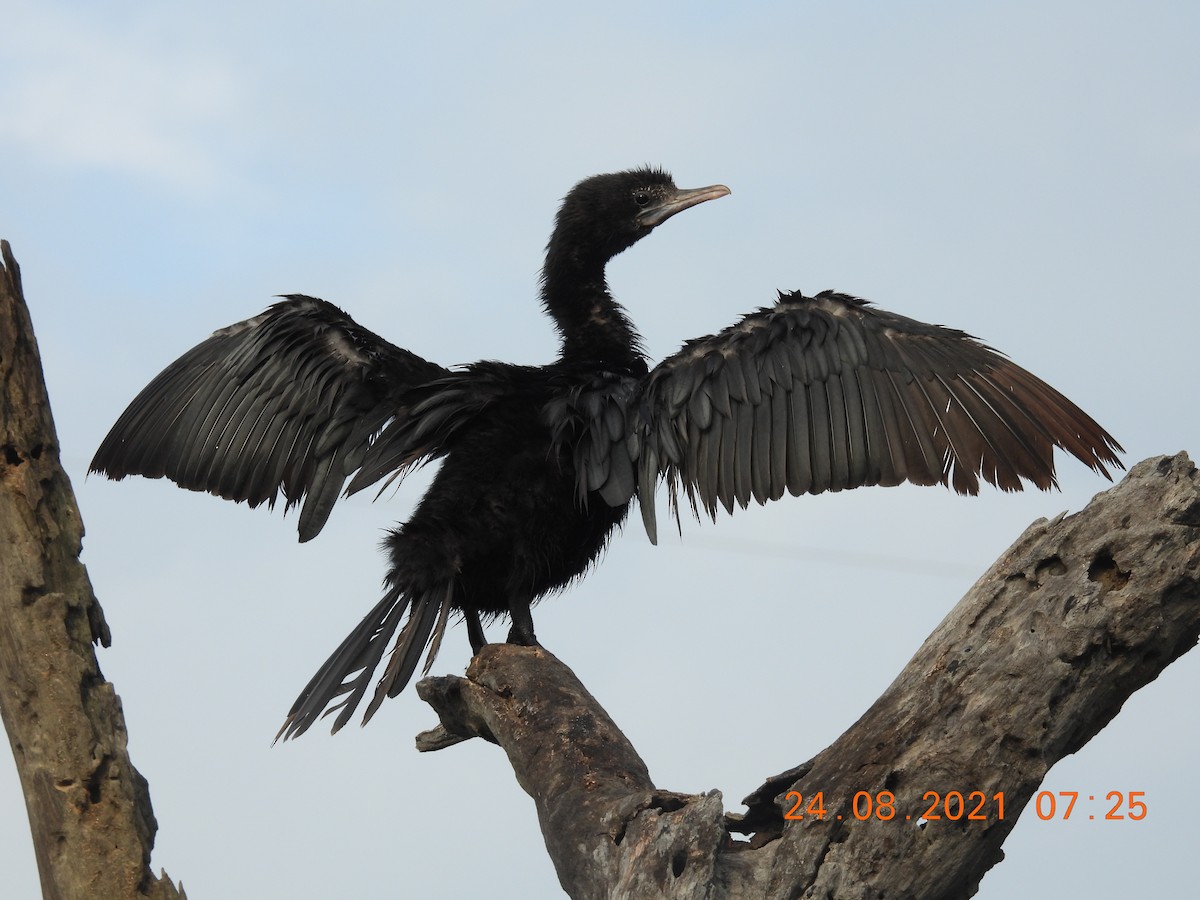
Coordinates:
(604, 214)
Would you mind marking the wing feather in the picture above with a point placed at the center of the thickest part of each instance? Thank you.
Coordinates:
(289, 401)
(778, 444)
(799, 445)
(743, 448)
(828, 393)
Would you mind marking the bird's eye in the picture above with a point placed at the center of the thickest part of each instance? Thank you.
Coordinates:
(641, 198)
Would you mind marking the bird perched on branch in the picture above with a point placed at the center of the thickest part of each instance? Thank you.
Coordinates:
(540, 464)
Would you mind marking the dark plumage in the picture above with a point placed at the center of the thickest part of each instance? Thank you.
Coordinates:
(540, 464)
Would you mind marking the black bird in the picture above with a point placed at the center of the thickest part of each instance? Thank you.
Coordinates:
(540, 464)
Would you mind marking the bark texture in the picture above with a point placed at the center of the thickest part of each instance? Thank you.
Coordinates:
(89, 808)
(1039, 656)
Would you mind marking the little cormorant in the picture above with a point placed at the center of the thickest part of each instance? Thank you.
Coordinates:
(540, 464)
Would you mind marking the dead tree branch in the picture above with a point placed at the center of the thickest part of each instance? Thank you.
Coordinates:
(1076, 616)
(89, 808)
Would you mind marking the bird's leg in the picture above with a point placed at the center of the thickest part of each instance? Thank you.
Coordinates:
(522, 623)
(474, 631)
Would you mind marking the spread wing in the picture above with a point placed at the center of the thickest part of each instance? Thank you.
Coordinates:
(289, 401)
(828, 393)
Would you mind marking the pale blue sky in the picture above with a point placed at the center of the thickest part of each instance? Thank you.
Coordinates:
(1024, 171)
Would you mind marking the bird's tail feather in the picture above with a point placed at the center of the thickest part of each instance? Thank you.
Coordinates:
(347, 673)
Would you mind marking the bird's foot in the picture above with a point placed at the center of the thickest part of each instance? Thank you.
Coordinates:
(523, 637)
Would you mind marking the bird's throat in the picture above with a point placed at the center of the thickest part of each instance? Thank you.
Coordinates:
(593, 326)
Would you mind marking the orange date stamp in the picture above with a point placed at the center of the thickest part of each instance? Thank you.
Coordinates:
(972, 806)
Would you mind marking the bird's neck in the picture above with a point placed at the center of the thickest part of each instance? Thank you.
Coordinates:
(593, 325)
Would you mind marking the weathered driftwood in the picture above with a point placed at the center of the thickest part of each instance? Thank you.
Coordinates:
(89, 808)
(1036, 659)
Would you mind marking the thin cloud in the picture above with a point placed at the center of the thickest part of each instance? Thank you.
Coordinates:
(82, 94)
